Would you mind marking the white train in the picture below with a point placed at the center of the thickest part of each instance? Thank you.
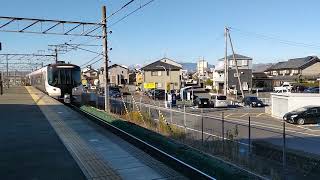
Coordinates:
(60, 80)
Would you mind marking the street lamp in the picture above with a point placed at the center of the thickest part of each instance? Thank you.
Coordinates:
(165, 87)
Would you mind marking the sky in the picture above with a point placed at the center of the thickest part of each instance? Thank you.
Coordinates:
(182, 30)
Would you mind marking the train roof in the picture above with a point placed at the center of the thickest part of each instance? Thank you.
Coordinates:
(52, 65)
(62, 64)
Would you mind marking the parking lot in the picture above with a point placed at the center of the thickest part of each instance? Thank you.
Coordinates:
(236, 114)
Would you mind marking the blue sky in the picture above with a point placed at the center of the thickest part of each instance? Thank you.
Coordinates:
(183, 30)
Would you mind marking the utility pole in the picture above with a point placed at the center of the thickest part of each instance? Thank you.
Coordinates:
(236, 63)
(56, 54)
(7, 59)
(106, 59)
(226, 66)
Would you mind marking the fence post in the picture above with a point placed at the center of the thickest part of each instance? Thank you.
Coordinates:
(97, 100)
(184, 118)
(222, 130)
(202, 125)
(171, 113)
(1, 87)
(249, 135)
(284, 150)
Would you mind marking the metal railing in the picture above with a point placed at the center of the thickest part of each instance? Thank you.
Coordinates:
(271, 151)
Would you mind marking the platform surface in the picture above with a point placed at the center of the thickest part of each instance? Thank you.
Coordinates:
(29, 147)
(59, 143)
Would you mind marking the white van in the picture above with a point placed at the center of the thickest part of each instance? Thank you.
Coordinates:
(219, 101)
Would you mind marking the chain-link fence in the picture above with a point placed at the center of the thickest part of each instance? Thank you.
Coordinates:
(274, 152)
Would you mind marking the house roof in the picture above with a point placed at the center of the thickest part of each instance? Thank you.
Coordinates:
(158, 65)
(115, 65)
(297, 63)
(261, 67)
(237, 56)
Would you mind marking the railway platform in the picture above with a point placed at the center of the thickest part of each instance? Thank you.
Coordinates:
(40, 138)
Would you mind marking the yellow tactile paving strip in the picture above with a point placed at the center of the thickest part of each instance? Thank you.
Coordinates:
(89, 161)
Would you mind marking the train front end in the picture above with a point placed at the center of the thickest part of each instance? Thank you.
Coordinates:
(63, 79)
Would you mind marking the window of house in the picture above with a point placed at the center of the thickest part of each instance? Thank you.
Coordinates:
(244, 62)
(155, 73)
(168, 73)
(274, 73)
(295, 71)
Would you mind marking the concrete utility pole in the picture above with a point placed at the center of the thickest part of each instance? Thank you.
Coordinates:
(236, 63)
(226, 64)
(7, 78)
(106, 59)
(56, 54)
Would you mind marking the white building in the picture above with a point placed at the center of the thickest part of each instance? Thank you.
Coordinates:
(202, 66)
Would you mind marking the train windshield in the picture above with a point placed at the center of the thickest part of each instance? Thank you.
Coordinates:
(64, 76)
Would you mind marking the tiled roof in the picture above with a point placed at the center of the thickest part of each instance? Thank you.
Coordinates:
(237, 56)
(297, 63)
(158, 66)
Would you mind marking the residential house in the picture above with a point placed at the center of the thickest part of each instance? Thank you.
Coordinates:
(89, 76)
(244, 64)
(118, 75)
(293, 70)
(164, 72)
(260, 79)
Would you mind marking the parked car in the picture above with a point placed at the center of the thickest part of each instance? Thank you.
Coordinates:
(312, 90)
(114, 94)
(157, 94)
(298, 88)
(304, 115)
(284, 88)
(218, 101)
(201, 102)
(252, 101)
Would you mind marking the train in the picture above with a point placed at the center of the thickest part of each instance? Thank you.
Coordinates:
(61, 81)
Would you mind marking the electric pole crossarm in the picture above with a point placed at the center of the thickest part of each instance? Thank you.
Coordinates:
(51, 26)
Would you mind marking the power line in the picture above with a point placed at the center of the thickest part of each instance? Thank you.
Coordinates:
(84, 49)
(267, 37)
(141, 6)
(112, 14)
(121, 19)
(85, 64)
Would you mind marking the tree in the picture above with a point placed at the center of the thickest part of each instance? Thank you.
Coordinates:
(209, 82)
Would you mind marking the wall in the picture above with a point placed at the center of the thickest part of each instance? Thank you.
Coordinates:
(284, 102)
(245, 77)
(174, 77)
(118, 71)
(312, 70)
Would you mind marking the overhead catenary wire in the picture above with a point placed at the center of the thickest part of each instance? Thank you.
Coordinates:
(121, 19)
(273, 38)
(87, 63)
(112, 14)
(132, 12)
